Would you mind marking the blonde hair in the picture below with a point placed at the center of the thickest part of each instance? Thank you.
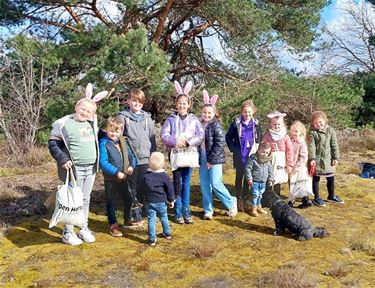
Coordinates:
(299, 125)
(156, 161)
(249, 103)
(86, 101)
(137, 94)
(115, 123)
(318, 115)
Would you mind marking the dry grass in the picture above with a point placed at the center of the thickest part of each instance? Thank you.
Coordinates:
(223, 252)
(353, 140)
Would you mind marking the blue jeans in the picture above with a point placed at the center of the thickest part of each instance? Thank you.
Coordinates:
(257, 191)
(159, 209)
(85, 177)
(211, 180)
(113, 188)
(181, 185)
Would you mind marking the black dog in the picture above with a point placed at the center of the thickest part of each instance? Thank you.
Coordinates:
(286, 218)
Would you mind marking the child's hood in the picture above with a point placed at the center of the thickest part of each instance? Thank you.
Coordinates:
(60, 123)
(138, 117)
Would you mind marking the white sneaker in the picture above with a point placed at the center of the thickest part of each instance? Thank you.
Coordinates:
(207, 216)
(233, 211)
(86, 235)
(70, 238)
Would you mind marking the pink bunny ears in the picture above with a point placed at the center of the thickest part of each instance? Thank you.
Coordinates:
(186, 89)
(207, 100)
(99, 96)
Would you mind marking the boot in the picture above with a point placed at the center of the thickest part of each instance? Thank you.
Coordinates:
(254, 211)
(261, 210)
(240, 206)
(247, 207)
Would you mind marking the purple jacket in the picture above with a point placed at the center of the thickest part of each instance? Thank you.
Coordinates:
(175, 128)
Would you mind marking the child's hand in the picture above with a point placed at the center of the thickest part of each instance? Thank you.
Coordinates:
(129, 171)
(68, 165)
(250, 182)
(289, 169)
(171, 205)
(208, 165)
(181, 143)
(334, 162)
(120, 176)
(312, 163)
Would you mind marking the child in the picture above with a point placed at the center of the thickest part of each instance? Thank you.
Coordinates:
(212, 157)
(181, 130)
(139, 130)
(74, 144)
(282, 151)
(258, 173)
(323, 156)
(243, 138)
(158, 192)
(117, 161)
(298, 136)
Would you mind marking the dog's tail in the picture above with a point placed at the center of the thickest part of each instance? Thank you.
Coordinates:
(321, 232)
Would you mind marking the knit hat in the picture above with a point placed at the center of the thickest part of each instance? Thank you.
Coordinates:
(275, 114)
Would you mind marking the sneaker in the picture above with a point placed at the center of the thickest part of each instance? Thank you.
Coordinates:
(305, 205)
(133, 223)
(233, 211)
(207, 216)
(335, 199)
(166, 236)
(188, 219)
(70, 238)
(152, 243)
(179, 220)
(319, 202)
(86, 235)
(114, 230)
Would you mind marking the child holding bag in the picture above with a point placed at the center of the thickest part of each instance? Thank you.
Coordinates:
(212, 157)
(300, 181)
(182, 130)
(74, 144)
(243, 138)
(282, 152)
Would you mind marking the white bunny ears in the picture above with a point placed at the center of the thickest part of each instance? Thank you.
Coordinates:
(207, 100)
(99, 96)
(186, 89)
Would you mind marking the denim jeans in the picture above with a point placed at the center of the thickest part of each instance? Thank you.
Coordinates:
(85, 177)
(181, 185)
(113, 189)
(211, 180)
(154, 209)
(257, 191)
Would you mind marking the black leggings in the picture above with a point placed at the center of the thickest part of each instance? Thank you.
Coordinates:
(330, 186)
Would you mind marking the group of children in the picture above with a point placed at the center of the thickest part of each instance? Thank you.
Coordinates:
(133, 170)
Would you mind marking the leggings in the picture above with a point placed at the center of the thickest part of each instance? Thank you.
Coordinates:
(330, 186)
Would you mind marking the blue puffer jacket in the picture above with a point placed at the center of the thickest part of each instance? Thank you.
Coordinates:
(111, 161)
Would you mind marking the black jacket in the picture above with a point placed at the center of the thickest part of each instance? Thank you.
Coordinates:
(214, 140)
(158, 187)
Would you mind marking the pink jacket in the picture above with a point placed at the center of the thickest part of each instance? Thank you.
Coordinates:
(285, 145)
(300, 153)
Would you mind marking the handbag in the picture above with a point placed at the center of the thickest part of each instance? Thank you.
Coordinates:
(278, 167)
(69, 204)
(184, 157)
(300, 185)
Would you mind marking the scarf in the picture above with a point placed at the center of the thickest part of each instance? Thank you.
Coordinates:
(277, 135)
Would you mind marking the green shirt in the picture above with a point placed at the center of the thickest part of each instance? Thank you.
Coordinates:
(82, 145)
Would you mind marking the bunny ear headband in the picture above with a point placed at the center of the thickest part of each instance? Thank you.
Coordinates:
(275, 114)
(186, 89)
(207, 100)
(99, 96)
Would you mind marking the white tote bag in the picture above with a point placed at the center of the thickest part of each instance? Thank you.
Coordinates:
(184, 157)
(279, 167)
(300, 185)
(69, 204)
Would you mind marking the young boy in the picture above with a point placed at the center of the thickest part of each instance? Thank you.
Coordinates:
(139, 129)
(158, 192)
(258, 171)
(117, 162)
(74, 144)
